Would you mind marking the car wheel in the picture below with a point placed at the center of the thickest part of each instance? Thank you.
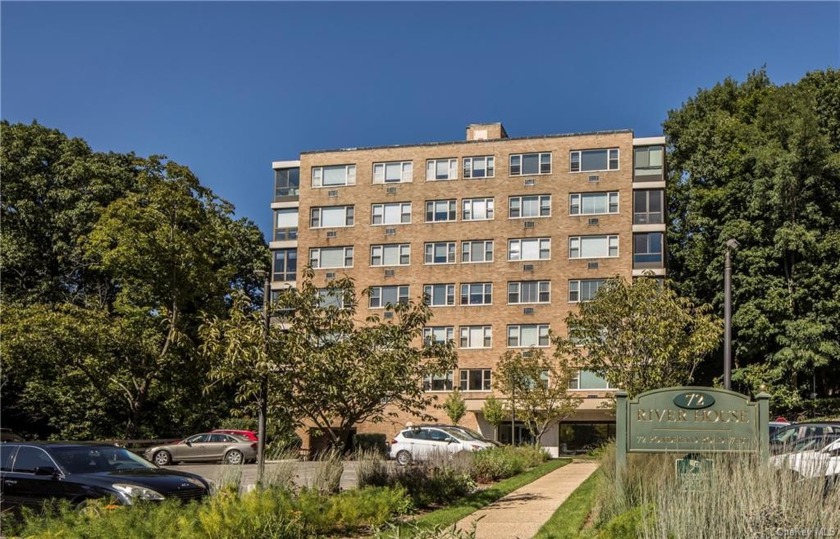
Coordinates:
(234, 456)
(403, 458)
(162, 458)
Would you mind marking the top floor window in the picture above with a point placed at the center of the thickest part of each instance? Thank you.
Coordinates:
(594, 160)
(530, 163)
(286, 182)
(479, 167)
(395, 172)
(648, 162)
(441, 169)
(334, 176)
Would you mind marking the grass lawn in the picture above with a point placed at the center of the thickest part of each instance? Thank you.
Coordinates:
(569, 519)
(469, 504)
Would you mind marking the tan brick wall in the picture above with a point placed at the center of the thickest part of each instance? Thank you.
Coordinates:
(559, 227)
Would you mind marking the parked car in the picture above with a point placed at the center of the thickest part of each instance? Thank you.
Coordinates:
(34, 472)
(6, 435)
(469, 432)
(422, 443)
(786, 437)
(822, 462)
(249, 434)
(205, 447)
(777, 425)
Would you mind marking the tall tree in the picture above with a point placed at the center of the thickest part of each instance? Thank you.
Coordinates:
(332, 371)
(639, 335)
(761, 164)
(540, 385)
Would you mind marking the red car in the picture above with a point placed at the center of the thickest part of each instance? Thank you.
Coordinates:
(251, 435)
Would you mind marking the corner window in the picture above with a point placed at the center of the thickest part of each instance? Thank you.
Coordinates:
(647, 250)
(648, 163)
(647, 207)
(285, 224)
(285, 265)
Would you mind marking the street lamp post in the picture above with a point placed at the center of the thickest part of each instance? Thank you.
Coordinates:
(727, 314)
(263, 399)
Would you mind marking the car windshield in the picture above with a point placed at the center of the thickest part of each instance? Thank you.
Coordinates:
(83, 459)
(455, 433)
(474, 434)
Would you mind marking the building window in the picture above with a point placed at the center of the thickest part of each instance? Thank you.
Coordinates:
(529, 249)
(584, 289)
(285, 224)
(530, 206)
(442, 252)
(439, 295)
(396, 172)
(647, 207)
(526, 336)
(398, 254)
(440, 210)
(438, 382)
(477, 209)
(330, 298)
(476, 336)
(334, 176)
(286, 182)
(593, 203)
(438, 334)
(647, 250)
(475, 380)
(520, 292)
(479, 167)
(594, 160)
(331, 257)
(648, 162)
(530, 163)
(441, 169)
(381, 296)
(588, 380)
(477, 251)
(285, 265)
(476, 294)
(395, 213)
(332, 216)
(593, 246)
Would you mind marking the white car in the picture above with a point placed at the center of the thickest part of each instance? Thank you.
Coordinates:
(813, 463)
(422, 443)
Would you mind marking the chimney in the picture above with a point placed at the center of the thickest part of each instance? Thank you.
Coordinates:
(486, 131)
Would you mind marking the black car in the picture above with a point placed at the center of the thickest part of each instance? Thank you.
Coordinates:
(32, 473)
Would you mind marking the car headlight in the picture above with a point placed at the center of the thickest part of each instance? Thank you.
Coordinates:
(136, 492)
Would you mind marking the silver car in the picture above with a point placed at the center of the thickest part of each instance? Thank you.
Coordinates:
(205, 447)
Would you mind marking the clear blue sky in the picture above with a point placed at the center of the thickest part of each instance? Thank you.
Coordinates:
(227, 88)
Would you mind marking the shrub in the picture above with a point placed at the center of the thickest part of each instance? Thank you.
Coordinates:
(328, 470)
(372, 469)
(371, 442)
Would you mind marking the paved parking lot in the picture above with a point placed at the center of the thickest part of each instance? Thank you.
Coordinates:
(304, 472)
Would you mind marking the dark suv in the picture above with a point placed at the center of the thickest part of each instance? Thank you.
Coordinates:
(32, 473)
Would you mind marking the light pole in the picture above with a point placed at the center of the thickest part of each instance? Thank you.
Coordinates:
(263, 399)
(727, 314)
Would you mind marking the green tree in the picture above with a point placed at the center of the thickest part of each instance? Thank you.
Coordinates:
(331, 370)
(494, 412)
(540, 384)
(639, 335)
(760, 163)
(455, 407)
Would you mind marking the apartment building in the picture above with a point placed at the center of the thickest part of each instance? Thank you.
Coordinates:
(504, 235)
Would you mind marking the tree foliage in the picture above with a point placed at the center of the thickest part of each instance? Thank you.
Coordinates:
(640, 335)
(760, 163)
(329, 369)
(537, 385)
(454, 406)
(123, 255)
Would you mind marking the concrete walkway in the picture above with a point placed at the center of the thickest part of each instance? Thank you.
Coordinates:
(521, 514)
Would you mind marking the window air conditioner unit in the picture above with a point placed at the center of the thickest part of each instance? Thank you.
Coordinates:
(528, 310)
(390, 231)
(529, 224)
(391, 190)
(332, 234)
(330, 275)
(528, 267)
(594, 179)
(332, 194)
(592, 265)
(530, 182)
(594, 221)
(389, 273)
(388, 315)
